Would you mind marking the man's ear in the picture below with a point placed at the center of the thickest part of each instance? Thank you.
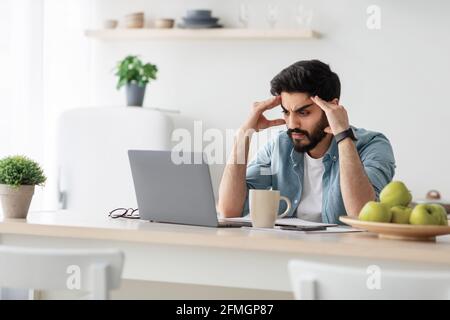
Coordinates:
(335, 101)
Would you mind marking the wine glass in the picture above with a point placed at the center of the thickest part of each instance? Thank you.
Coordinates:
(272, 14)
(308, 18)
(304, 16)
(244, 13)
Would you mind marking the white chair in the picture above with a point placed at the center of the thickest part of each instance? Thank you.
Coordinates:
(96, 271)
(314, 280)
(92, 154)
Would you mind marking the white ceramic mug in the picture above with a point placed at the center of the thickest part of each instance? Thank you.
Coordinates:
(264, 206)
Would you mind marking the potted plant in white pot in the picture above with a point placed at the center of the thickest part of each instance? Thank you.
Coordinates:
(135, 75)
(18, 177)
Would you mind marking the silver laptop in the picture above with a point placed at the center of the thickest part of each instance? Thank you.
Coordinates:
(174, 193)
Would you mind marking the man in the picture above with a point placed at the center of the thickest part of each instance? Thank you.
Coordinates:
(326, 167)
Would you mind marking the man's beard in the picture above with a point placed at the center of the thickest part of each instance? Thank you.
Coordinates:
(314, 138)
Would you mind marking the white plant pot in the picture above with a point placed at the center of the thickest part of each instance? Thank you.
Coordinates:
(16, 201)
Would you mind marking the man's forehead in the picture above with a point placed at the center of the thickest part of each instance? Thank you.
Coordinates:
(293, 101)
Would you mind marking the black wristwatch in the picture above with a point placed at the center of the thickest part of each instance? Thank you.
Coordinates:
(349, 133)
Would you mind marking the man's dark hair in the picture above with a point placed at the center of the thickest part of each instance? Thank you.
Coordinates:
(308, 76)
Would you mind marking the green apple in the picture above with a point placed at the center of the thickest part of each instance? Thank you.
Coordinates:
(427, 214)
(442, 211)
(375, 211)
(394, 194)
(400, 214)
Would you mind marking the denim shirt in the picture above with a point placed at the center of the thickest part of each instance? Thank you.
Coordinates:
(278, 166)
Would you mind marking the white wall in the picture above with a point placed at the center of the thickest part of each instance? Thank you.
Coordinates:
(21, 100)
(66, 63)
(394, 80)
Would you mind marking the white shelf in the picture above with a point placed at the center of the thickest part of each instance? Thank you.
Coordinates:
(210, 34)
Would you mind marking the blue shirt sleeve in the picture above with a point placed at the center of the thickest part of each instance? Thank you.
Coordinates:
(379, 163)
(259, 172)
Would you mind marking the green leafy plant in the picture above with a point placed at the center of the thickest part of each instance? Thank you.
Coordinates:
(20, 170)
(133, 70)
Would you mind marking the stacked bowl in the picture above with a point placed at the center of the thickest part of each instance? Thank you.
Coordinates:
(134, 20)
(164, 23)
(199, 19)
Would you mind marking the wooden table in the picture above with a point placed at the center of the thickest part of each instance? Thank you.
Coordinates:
(230, 257)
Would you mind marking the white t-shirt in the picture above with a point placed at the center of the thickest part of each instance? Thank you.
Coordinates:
(310, 207)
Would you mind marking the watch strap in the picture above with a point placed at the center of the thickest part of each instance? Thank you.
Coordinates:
(349, 133)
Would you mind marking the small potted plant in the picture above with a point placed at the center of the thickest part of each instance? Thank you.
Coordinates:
(135, 75)
(18, 177)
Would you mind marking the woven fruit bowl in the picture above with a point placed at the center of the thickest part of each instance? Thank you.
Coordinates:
(398, 231)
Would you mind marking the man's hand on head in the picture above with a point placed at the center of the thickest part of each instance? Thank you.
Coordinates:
(257, 121)
(336, 114)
